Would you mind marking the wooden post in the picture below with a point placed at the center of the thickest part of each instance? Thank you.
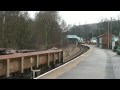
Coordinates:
(38, 61)
(59, 57)
(31, 61)
(62, 57)
(54, 58)
(8, 68)
(22, 64)
(48, 60)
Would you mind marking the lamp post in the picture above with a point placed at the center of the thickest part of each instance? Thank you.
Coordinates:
(109, 33)
(99, 32)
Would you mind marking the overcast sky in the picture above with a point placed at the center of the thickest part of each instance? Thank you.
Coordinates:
(83, 17)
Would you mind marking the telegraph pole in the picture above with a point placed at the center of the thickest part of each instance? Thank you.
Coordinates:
(108, 35)
(111, 25)
(111, 33)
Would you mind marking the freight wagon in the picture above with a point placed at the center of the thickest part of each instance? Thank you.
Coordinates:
(22, 65)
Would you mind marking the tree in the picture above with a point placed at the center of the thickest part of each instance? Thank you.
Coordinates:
(18, 31)
(47, 30)
(13, 30)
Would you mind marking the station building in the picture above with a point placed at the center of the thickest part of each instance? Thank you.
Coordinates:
(107, 41)
(104, 41)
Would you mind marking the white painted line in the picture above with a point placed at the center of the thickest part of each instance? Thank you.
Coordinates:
(64, 64)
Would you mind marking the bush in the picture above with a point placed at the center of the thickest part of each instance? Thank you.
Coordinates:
(115, 47)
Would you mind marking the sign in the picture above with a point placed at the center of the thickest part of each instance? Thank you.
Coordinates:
(113, 38)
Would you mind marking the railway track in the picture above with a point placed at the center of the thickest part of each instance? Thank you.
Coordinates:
(83, 49)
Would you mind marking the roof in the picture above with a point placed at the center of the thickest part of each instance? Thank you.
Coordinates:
(73, 36)
(102, 35)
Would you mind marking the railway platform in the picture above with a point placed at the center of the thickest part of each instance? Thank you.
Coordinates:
(97, 63)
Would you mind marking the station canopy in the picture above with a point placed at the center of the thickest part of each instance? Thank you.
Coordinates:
(75, 37)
